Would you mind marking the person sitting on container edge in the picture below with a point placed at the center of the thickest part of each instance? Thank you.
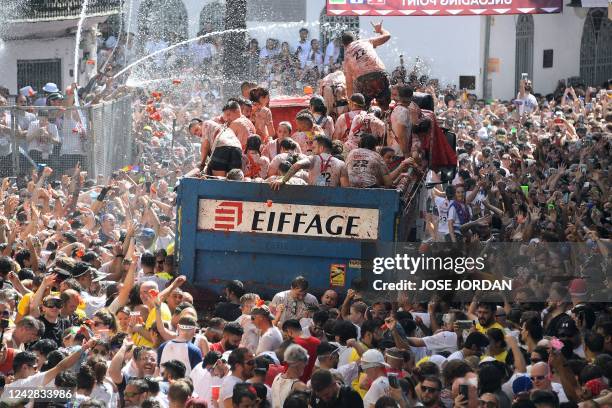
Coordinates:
(367, 169)
(323, 168)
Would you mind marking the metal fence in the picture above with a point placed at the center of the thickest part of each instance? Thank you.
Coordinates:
(99, 137)
(52, 9)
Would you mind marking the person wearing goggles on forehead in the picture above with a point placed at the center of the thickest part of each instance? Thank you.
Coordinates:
(181, 348)
(328, 356)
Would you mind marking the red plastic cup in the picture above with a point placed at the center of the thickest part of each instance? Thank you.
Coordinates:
(215, 389)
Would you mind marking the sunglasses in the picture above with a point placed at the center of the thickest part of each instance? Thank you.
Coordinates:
(159, 262)
(99, 352)
(130, 394)
(429, 389)
(250, 362)
(487, 404)
(537, 377)
(54, 304)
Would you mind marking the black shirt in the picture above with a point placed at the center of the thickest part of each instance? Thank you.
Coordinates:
(347, 398)
(228, 311)
(54, 331)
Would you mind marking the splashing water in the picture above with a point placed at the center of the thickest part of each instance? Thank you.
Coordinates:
(77, 43)
(211, 34)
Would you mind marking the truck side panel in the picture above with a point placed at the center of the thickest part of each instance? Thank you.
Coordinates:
(268, 262)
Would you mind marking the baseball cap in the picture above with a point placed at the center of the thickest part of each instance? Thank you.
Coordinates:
(56, 96)
(27, 91)
(577, 287)
(521, 384)
(50, 87)
(373, 358)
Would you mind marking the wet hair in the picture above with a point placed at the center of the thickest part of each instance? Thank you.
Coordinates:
(347, 38)
(256, 94)
(543, 397)
(284, 167)
(305, 117)
(235, 175)
(23, 358)
(345, 330)
(318, 105)
(368, 141)
(288, 144)
(243, 390)
(321, 379)
(107, 318)
(236, 287)
(253, 143)
(292, 324)
(533, 326)
(405, 92)
(86, 378)
(44, 346)
(287, 126)
(237, 356)
(233, 328)
(180, 391)
(297, 399)
(489, 379)
(422, 126)
(324, 141)
(231, 106)
(455, 369)
(299, 282)
(594, 341)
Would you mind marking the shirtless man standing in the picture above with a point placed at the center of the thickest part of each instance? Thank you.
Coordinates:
(364, 71)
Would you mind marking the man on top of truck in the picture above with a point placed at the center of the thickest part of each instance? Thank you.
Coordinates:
(364, 70)
(323, 168)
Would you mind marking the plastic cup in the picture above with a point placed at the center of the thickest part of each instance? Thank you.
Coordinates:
(215, 389)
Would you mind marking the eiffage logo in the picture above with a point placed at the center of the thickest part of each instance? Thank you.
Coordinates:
(228, 215)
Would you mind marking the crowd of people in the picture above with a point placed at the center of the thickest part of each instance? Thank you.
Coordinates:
(91, 302)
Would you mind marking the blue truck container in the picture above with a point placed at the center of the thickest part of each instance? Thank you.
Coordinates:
(239, 230)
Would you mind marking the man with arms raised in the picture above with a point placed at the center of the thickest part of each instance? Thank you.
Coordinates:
(365, 72)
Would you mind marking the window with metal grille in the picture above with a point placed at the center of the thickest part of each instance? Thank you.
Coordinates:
(596, 48)
(276, 10)
(524, 48)
(37, 73)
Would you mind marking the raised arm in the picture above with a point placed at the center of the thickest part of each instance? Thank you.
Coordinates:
(383, 36)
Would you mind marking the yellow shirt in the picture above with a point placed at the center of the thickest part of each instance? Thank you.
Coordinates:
(355, 357)
(501, 357)
(356, 386)
(165, 315)
(23, 307)
(483, 330)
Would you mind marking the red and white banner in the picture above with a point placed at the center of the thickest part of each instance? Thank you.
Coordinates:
(441, 7)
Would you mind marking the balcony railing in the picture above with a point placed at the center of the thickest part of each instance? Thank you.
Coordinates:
(62, 9)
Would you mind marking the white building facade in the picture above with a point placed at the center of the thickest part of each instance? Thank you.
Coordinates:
(574, 43)
(38, 46)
